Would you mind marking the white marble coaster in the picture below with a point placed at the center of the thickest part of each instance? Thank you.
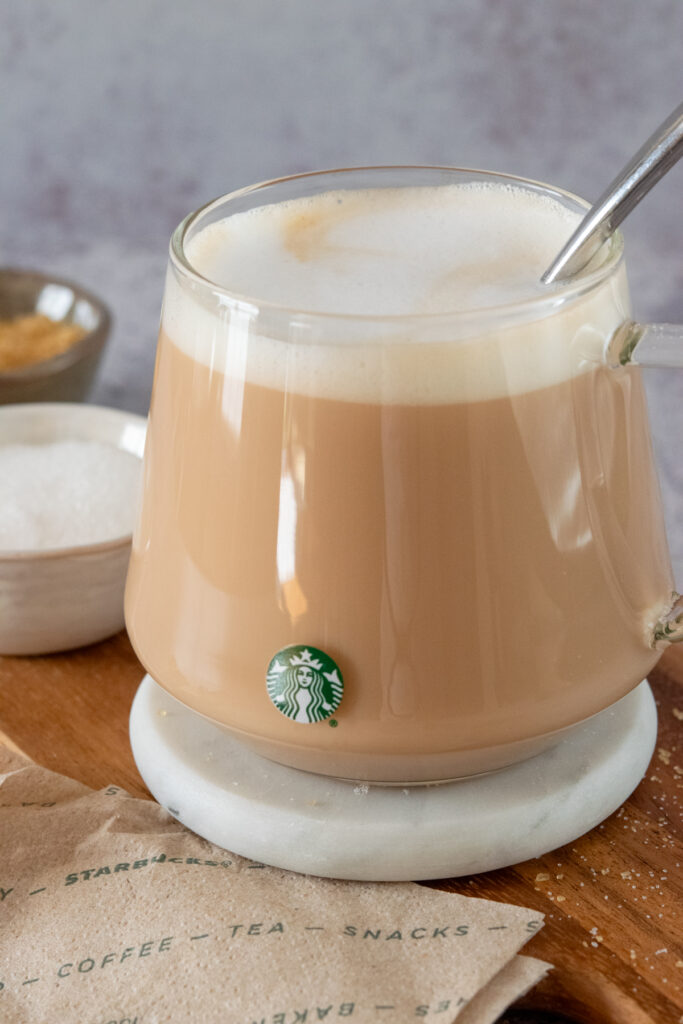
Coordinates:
(310, 823)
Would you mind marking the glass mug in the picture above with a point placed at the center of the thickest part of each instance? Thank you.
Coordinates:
(399, 549)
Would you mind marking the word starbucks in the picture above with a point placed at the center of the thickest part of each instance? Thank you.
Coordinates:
(136, 865)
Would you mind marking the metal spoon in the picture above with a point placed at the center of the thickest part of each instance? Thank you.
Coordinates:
(651, 162)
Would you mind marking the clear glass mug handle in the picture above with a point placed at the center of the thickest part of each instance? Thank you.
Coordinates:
(659, 346)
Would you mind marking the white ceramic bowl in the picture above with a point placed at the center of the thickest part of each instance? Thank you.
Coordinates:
(67, 597)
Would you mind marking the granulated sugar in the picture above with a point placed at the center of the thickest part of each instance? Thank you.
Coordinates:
(65, 494)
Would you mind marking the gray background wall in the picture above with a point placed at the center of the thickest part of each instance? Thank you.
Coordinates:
(118, 117)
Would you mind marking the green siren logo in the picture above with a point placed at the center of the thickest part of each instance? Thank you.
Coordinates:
(304, 684)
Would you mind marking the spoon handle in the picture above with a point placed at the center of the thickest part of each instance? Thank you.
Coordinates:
(651, 162)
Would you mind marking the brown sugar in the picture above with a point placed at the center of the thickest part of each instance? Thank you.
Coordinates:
(32, 338)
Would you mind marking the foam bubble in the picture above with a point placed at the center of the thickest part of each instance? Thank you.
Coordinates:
(395, 252)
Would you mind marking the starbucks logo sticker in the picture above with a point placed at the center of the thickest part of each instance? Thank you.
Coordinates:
(304, 683)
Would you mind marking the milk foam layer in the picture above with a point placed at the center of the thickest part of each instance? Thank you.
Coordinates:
(416, 253)
(388, 252)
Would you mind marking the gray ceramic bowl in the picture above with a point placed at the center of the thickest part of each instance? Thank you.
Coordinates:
(68, 376)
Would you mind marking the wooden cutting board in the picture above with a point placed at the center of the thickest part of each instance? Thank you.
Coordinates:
(612, 899)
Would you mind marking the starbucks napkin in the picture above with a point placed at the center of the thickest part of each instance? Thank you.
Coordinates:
(113, 913)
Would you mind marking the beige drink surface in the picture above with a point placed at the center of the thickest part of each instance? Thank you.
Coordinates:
(483, 572)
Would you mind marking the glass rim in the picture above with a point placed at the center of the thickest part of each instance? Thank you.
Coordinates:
(558, 293)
